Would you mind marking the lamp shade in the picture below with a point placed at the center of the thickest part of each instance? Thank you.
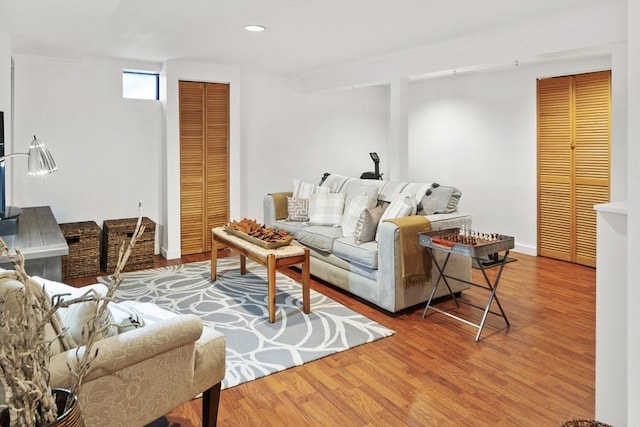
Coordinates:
(40, 160)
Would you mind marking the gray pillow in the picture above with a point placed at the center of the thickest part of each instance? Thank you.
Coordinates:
(440, 199)
(367, 224)
(297, 209)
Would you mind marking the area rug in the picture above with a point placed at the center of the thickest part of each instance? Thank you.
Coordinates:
(236, 306)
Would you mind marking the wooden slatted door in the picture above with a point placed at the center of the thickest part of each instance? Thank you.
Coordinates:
(573, 163)
(554, 168)
(204, 162)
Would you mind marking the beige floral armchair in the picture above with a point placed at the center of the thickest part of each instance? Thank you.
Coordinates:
(143, 373)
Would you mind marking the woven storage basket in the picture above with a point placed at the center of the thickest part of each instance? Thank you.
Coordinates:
(116, 231)
(83, 239)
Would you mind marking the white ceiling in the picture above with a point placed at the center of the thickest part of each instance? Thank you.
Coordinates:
(302, 35)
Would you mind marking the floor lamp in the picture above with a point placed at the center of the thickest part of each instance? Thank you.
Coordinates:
(39, 162)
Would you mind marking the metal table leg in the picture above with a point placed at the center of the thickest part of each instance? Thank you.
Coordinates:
(441, 276)
(493, 288)
(487, 308)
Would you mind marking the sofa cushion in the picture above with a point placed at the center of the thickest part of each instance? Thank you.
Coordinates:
(297, 209)
(352, 212)
(367, 225)
(365, 254)
(326, 208)
(319, 237)
(291, 227)
(440, 199)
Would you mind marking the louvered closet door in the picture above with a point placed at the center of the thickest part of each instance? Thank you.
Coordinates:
(592, 159)
(555, 210)
(217, 150)
(204, 169)
(573, 163)
(191, 167)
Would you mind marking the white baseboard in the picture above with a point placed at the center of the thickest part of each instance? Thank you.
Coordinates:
(169, 254)
(526, 249)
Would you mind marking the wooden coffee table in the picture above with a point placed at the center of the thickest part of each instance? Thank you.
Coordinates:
(273, 259)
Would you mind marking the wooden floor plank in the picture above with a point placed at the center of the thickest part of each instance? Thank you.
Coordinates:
(539, 371)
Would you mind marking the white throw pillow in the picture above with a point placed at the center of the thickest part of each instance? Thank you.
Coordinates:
(352, 212)
(304, 190)
(77, 316)
(125, 316)
(11, 305)
(149, 311)
(326, 208)
(356, 187)
(401, 205)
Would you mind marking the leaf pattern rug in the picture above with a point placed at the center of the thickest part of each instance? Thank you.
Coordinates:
(236, 306)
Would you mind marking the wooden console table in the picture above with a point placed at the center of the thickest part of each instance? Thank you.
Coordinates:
(41, 241)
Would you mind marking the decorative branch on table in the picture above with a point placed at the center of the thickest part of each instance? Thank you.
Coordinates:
(25, 351)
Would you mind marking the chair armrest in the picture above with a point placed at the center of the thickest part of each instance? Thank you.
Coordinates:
(124, 350)
(210, 358)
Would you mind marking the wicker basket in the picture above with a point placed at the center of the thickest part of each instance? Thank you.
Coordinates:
(83, 239)
(117, 231)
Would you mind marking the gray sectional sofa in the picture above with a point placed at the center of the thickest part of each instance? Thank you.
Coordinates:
(372, 270)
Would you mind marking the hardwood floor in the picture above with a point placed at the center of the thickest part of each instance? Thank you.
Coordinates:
(538, 372)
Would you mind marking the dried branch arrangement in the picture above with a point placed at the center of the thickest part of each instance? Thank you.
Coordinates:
(25, 351)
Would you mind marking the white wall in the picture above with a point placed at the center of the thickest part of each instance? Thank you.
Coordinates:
(5, 90)
(633, 237)
(107, 148)
(477, 131)
(593, 28)
(290, 134)
(113, 152)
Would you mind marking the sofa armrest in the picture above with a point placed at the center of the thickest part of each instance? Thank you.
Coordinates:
(275, 207)
(390, 268)
(121, 351)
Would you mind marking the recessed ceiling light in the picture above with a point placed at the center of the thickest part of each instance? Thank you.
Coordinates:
(255, 28)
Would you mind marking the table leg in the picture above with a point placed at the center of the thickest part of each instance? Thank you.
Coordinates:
(437, 282)
(492, 295)
(243, 265)
(214, 257)
(271, 294)
(306, 292)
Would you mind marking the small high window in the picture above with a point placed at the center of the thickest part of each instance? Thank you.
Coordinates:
(140, 85)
